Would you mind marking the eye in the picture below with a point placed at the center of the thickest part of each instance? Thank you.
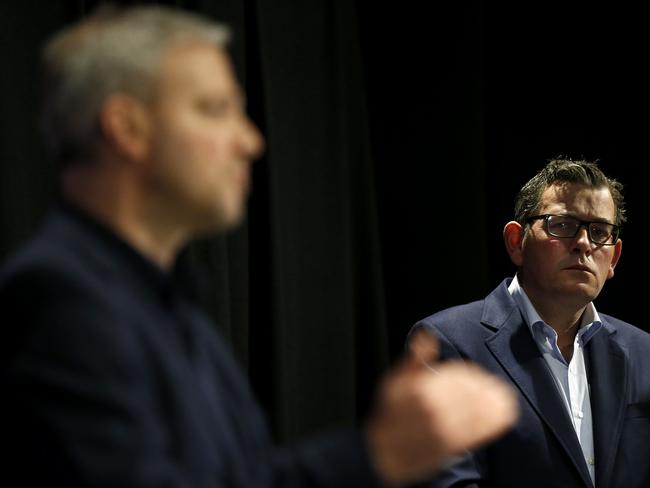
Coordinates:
(213, 107)
(561, 224)
(599, 231)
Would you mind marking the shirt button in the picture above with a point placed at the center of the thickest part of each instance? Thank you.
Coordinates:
(579, 414)
(590, 461)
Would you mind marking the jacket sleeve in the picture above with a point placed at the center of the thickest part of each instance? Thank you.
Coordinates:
(82, 408)
(75, 413)
(338, 460)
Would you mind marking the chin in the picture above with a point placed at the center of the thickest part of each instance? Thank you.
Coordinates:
(216, 221)
(232, 223)
(228, 220)
(585, 291)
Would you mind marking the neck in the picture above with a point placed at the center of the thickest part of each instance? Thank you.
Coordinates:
(117, 204)
(564, 318)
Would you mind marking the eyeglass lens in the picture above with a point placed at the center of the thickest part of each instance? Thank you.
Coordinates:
(564, 226)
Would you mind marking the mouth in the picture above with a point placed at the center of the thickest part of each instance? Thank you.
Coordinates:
(579, 267)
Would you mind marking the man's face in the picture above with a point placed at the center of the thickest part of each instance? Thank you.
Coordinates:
(201, 143)
(568, 270)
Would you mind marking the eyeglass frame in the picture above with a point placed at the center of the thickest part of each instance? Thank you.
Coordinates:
(616, 229)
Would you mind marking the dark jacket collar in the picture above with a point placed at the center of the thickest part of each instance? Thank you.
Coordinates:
(87, 234)
(513, 347)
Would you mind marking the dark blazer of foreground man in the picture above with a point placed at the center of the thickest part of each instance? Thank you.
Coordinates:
(544, 321)
(110, 377)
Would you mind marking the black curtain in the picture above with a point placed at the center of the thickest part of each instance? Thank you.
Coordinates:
(424, 75)
(298, 289)
(569, 78)
(397, 138)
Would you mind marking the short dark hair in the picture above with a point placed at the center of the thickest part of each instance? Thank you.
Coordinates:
(562, 170)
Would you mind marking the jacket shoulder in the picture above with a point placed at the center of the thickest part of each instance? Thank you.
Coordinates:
(41, 263)
(629, 335)
(459, 316)
(458, 328)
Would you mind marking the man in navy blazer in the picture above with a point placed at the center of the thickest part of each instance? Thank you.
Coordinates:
(110, 376)
(583, 377)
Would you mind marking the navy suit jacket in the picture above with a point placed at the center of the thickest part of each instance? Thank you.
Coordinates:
(110, 378)
(543, 450)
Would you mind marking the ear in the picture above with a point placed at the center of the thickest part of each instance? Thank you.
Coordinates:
(617, 254)
(124, 123)
(513, 236)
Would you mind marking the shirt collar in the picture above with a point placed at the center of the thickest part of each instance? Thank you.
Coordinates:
(128, 260)
(590, 322)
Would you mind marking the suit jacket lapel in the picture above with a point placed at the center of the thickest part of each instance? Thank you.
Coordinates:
(607, 370)
(513, 347)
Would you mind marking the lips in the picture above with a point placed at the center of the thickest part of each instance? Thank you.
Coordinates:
(580, 267)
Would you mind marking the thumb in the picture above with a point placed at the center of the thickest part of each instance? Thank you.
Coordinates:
(424, 349)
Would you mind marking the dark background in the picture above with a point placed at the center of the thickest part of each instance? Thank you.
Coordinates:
(398, 135)
(467, 102)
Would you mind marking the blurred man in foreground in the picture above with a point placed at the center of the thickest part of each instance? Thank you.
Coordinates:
(110, 377)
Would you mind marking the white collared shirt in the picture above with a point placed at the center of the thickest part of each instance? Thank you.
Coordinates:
(570, 378)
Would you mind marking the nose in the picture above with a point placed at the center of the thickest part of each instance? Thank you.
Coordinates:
(581, 242)
(251, 141)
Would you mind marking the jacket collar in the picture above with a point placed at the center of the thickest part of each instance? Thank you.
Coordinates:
(516, 352)
(607, 367)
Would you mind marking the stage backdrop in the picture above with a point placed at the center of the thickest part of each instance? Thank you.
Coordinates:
(398, 136)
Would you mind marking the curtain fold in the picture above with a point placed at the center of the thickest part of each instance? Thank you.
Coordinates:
(297, 290)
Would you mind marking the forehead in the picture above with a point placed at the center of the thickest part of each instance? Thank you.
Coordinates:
(197, 66)
(580, 200)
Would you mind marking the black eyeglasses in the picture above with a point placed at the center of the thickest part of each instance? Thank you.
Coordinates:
(565, 226)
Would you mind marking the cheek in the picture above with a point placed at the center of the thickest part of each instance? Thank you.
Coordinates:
(189, 135)
(208, 147)
(604, 264)
(174, 142)
(543, 261)
(543, 254)
(196, 153)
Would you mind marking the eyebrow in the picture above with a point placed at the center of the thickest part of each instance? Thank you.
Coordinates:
(601, 220)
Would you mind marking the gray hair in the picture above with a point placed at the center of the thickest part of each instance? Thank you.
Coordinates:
(560, 170)
(112, 50)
